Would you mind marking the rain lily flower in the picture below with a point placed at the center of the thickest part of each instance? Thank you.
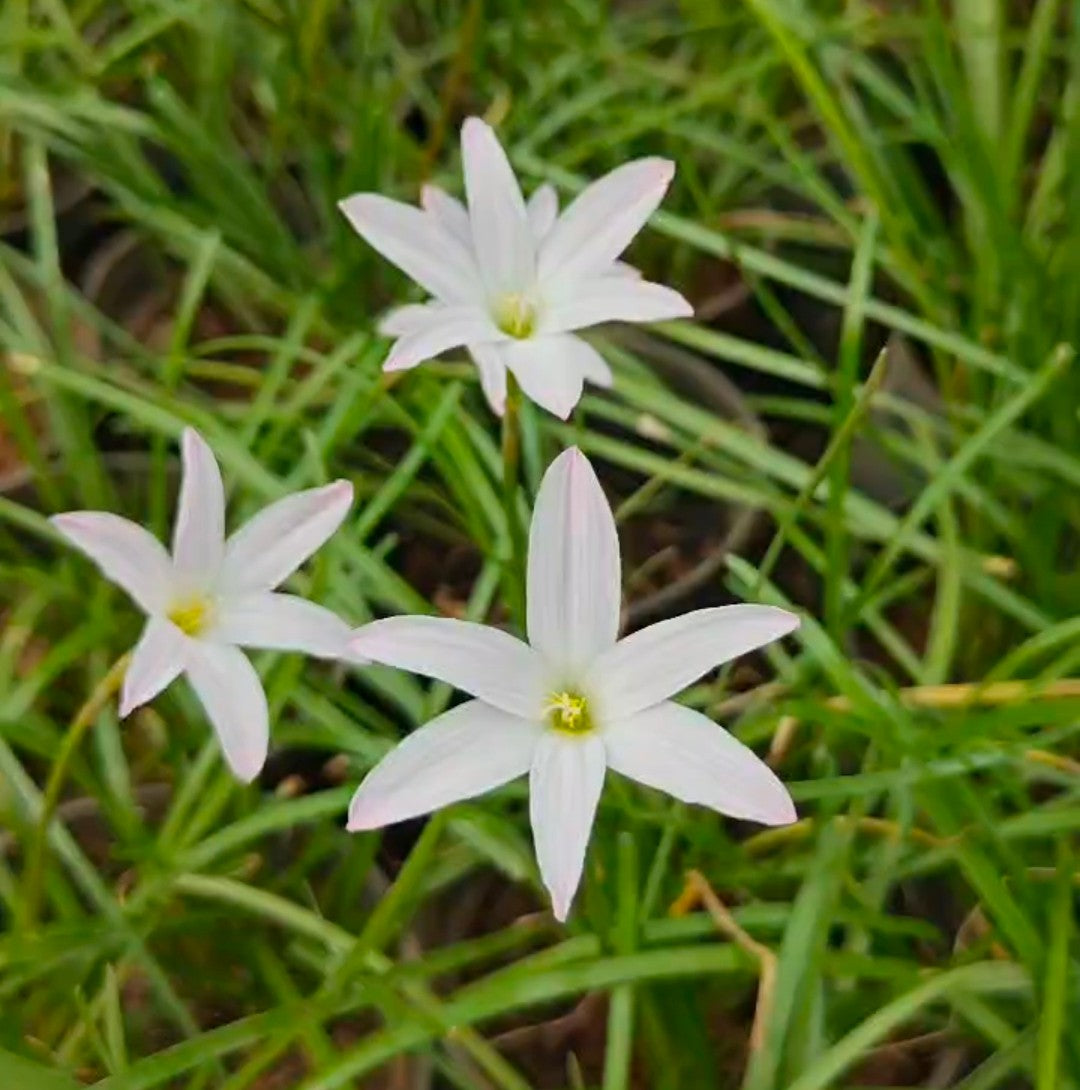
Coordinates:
(574, 700)
(212, 596)
(512, 280)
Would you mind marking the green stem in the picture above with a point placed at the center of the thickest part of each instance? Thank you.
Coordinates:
(395, 908)
(85, 717)
(511, 459)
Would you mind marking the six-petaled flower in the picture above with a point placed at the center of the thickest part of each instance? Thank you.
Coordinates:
(213, 596)
(573, 701)
(511, 281)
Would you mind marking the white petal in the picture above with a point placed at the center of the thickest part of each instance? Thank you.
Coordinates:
(416, 243)
(232, 696)
(449, 211)
(282, 622)
(155, 663)
(622, 269)
(482, 661)
(549, 371)
(127, 555)
(678, 750)
(611, 299)
(543, 209)
(199, 533)
(565, 782)
(502, 240)
(661, 660)
(489, 362)
(462, 753)
(407, 319)
(443, 328)
(600, 223)
(592, 365)
(574, 570)
(276, 541)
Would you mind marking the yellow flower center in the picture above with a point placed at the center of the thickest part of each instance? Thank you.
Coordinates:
(569, 713)
(192, 615)
(514, 314)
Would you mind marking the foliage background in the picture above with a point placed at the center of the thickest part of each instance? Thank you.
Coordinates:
(874, 419)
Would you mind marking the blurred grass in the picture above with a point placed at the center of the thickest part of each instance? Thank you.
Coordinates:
(878, 175)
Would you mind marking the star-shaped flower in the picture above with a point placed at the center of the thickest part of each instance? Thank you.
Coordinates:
(511, 281)
(574, 700)
(212, 596)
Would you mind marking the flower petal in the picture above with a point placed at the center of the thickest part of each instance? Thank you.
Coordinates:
(127, 555)
(276, 541)
(464, 752)
(678, 750)
(443, 327)
(485, 662)
(414, 242)
(565, 782)
(574, 571)
(282, 622)
(232, 695)
(406, 319)
(199, 533)
(601, 222)
(549, 372)
(449, 212)
(543, 210)
(502, 240)
(489, 362)
(592, 365)
(661, 660)
(612, 299)
(155, 663)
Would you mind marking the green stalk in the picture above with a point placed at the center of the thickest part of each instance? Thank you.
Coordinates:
(511, 461)
(84, 719)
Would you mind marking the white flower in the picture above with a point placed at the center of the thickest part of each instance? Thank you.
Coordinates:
(573, 701)
(212, 596)
(511, 280)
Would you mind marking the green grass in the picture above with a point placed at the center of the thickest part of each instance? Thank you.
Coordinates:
(884, 174)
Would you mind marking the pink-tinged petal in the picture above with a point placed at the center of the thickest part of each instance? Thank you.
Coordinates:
(659, 661)
(156, 662)
(601, 222)
(484, 662)
(443, 328)
(276, 541)
(502, 240)
(232, 696)
(416, 244)
(282, 622)
(402, 321)
(464, 752)
(549, 371)
(565, 782)
(611, 299)
(489, 362)
(449, 212)
(574, 570)
(678, 750)
(199, 533)
(543, 210)
(127, 555)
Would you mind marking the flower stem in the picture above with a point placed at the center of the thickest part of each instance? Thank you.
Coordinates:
(511, 459)
(85, 717)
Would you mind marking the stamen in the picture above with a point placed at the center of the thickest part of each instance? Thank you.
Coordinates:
(192, 615)
(568, 712)
(515, 314)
